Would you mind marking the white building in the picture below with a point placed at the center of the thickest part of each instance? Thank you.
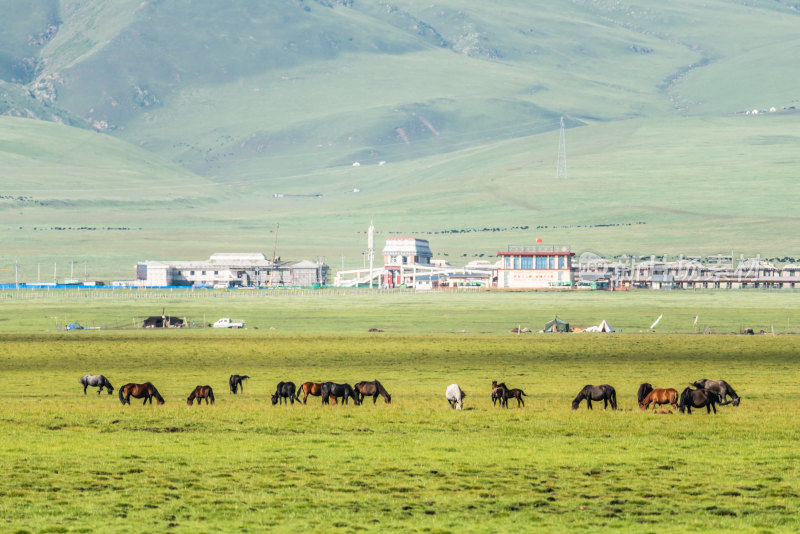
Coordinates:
(231, 270)
(401, 257)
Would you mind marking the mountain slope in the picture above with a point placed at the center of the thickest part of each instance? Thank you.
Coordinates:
(253, 89)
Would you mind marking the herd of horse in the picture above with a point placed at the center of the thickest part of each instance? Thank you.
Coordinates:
(330, 392)
(702, 393)
(706, 394)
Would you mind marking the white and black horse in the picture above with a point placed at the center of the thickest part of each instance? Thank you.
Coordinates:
(455, 396)
(98, 381)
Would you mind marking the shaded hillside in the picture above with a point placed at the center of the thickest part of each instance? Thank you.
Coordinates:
(254, 90)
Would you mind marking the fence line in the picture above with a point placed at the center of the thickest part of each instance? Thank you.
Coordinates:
(207, 294)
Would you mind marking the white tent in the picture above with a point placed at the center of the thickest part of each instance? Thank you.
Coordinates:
(605, 327)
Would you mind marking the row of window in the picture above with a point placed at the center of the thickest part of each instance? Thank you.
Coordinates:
(185, 273)
(542, 262)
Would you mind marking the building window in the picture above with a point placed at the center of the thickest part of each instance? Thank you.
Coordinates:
(516, 262)
(527, 262)
(204, 273)
(508, 262)
(141, 272)
(216, 272)
(541, 262)
(192, 272)
(562, 262)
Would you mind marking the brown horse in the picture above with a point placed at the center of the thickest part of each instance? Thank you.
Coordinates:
(200, 393)
(312, 388)
(146, 390)
(499, 393)
(660, 397)
(372, 389)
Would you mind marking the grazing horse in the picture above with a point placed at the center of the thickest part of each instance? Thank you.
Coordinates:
(644, 390)
(98, 381)
(200, 393)
(312, 388)
(721, 388)
(345, 391)
(236, 382)
(660, 396)
(284, 391)
(514, 393)
(603, 392)
(455, 396)
(697, 398)
(374, 388)
(146, 390)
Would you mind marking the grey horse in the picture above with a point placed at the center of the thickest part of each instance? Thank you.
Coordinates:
(721, 388)
(98, 381)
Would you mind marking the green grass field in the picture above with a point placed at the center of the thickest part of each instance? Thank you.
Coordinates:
(76, 462)
(85, 463)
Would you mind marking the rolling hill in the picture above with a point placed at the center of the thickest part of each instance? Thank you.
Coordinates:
(202, 111)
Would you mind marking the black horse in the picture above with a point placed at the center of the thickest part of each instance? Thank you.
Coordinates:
(644, 391)
(697, 398)
(98, 381)
(345, 391)
(285, 390)
(603, 392)
(236, 382)
(721, 388)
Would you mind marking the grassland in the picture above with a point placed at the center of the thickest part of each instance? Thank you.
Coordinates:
(355, 312)
(85, 463)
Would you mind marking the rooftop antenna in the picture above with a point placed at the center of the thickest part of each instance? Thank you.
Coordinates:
(561, 166)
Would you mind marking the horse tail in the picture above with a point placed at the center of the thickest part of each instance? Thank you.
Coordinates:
(614, 398)
(121, 396)
(522, 393)
(211, 395)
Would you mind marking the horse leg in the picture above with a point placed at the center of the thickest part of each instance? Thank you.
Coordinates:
(589, 403)
(374, 398)
(84, 388)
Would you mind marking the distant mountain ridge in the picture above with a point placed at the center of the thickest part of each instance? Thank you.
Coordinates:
(241, 89)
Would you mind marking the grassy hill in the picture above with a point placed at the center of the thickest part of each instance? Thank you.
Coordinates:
(216, 107)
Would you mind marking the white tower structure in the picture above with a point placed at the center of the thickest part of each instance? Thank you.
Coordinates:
(371, 250)
(561, 165)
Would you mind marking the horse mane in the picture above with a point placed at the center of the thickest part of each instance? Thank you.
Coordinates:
(731, 392)
(156, 394)
(644, 391)
(380, 387)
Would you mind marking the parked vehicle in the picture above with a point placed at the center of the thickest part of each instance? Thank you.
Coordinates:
(226, 322)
